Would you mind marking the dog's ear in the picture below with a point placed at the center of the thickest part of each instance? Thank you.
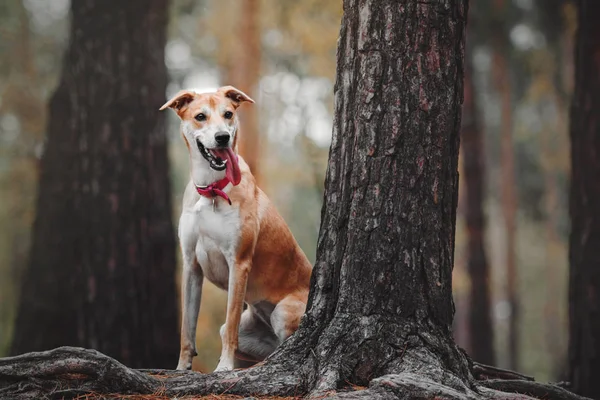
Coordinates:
(235, 95)
(178, 101)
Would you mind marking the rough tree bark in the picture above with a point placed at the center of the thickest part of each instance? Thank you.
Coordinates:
(102, 265)
(481, 333)
(380, 307)
(584, 285)
(382, 301)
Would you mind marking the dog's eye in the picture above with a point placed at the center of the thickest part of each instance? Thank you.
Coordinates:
(201, 117)
(228, 115)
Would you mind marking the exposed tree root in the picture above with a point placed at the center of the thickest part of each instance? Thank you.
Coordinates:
(80, 373)
(533, 389)
(68, 371)
(485, 372)
(71, 371)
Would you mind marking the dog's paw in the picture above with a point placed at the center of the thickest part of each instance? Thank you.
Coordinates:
(224, 366)
(184, 365)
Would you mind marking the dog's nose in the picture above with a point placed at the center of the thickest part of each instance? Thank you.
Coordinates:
(222, 138)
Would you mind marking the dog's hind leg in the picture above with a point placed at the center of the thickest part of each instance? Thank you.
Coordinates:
(285, 318)
(256, 340)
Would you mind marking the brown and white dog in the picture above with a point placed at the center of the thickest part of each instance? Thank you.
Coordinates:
(231, 234)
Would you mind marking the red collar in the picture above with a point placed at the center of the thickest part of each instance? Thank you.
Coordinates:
(214, 189)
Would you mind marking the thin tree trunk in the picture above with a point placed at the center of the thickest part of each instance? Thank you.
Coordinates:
(481, 333)
(551, 306)
(584, 254)
(102, 265)
(552, 145)
(509, 206)
(559, 33)
(460, 273)
(508, 186)
(245, 75)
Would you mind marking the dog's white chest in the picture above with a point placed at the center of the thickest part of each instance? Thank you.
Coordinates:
(213, 234)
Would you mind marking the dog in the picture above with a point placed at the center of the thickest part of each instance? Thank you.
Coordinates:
(230, 233)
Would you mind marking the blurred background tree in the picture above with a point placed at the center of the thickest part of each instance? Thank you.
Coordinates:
(584, 287)
(501, 76)
(480, 332)
(293, 89)
(521, 62)
(31, 46)
(101, 269)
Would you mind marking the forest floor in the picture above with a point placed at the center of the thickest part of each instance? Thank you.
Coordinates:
(159, 396)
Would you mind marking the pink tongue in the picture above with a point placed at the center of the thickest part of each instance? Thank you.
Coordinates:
(233, 169)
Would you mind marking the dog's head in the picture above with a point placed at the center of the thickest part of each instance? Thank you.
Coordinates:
(209, 125)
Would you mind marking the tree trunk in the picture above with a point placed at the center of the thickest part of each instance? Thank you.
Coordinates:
(245, 75)
(481, 333)
(509, 210)
(508, 185)
(552, 247)
(584, 285)
(382, 291)
(554, 161)
(102, 263)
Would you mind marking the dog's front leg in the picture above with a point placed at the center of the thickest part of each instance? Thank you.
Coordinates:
(191, 293)
(236, 291)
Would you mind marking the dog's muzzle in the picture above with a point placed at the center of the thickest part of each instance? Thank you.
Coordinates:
(216, 163)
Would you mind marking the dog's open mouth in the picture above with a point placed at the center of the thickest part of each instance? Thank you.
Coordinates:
(214, 159)
(222, 158)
